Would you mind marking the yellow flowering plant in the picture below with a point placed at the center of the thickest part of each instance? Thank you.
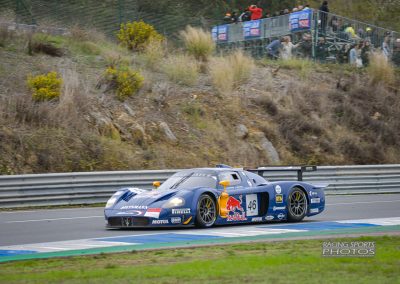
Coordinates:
(45, 87)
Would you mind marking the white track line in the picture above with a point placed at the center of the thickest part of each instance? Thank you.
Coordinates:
(363, 202)
(51, 210)
(55, 219)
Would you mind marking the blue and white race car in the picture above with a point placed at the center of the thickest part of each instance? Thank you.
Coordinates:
(215, 196)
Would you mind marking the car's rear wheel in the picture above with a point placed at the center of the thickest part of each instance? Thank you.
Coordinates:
(297, 205)
(206, 213)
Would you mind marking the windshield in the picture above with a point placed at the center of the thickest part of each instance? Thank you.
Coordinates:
(189, 179)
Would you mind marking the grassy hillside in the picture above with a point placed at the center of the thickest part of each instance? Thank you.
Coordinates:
(189, 112)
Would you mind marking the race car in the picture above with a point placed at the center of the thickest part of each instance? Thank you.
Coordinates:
(205, 197)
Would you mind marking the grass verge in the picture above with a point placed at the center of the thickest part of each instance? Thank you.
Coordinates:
(255, 262)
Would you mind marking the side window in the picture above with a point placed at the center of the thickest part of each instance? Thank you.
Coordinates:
(256, 179)
(233, 177)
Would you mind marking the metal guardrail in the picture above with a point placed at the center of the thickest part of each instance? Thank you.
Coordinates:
(96, 187)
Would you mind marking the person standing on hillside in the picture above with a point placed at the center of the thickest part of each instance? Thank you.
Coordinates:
(256, 12)
(323, 15)
(287, 48)
(274, 48)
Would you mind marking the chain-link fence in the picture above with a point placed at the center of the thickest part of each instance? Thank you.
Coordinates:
(323, 36)
(105, 16)
(169, 17)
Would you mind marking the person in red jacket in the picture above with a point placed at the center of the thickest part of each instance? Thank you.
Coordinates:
(256, 13)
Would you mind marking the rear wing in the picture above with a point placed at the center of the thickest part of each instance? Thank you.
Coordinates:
(299, 169)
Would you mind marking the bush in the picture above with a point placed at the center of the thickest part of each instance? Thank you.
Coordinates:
(198, 42)
(45, 87)
(221, 74)
(136, 35)
(125, 81)
(153, 53)
(228, 72)
(42, 43)
(241, 66)
(380, 69)
(181, 69)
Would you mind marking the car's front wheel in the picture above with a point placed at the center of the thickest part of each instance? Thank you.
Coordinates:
(206, 213)
(297, 205)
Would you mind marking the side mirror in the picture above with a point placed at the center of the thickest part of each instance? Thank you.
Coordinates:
(156, 184)
(225, 183)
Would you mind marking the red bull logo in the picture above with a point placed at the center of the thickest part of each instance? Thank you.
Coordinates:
(233, 204)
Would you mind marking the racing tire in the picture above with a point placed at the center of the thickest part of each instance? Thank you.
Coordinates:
(206, 212)
(297, 205)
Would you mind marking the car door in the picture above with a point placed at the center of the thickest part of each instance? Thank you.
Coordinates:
(243, 204)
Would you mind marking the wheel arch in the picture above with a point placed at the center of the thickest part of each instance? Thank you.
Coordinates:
(302, 189)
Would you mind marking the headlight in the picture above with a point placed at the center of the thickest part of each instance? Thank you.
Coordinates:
(114, 198)
(174, 202)
(111, 202)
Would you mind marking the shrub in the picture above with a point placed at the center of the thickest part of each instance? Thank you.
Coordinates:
(380, 69)
(153, 53)
(45, 87)
(181, 69)
(136, 35)
(198, 42)
(221, 74)
(42, 43)
(125, 81)
(230, 71)
(241, 66)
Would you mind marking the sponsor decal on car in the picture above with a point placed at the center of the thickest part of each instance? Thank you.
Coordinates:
(278, 189)
(256, 219)
(181, 211)
(281, 216)
(269, 218)
(279, 198)
(153, 212)
(176, 220)
(315, 200)
(236, 211)
(140, 207)
(276, 208)
(314, 210)
(160, 222)
(133, 212)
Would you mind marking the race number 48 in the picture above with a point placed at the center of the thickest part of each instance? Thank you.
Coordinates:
(251, 205)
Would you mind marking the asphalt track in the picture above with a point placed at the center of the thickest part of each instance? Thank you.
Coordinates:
(39, 226)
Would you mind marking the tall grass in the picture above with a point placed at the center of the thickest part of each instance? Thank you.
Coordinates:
(153, 54)
(221, 74)
(198, 42)
(230, 71)
(380, 69)
(181, 69)
(242, 66)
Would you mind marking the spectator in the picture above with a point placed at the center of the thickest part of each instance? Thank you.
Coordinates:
(256, 13)
(295, 9)
(305, 46)
(287, 48)
(343, 54)
(323, 15)
(300, 8)
(274, 48)
(355, 56)
(366, 50)
(351, 33)
(386, 47)
(245, 16)
(396, 53)
(321, 50)
(335, 24)
(286, 11)
(307, 7)
(267, 15)
(231, 18)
